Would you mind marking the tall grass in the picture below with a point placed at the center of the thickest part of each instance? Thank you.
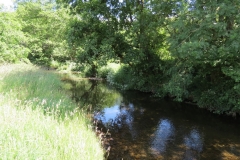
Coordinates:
(39, 120)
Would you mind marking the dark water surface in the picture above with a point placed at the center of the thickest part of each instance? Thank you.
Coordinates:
(149, 128)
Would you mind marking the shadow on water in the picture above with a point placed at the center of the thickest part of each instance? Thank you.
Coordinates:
(93, 94)
(149, 128)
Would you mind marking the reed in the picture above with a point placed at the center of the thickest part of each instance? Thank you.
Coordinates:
(39, 120)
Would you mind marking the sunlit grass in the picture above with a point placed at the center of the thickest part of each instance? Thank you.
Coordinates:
(39, 120)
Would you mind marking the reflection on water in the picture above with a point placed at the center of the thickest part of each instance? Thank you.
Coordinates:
(118, 115)
(194, 141)
(194, 144)
(163, 134)
(148, 128)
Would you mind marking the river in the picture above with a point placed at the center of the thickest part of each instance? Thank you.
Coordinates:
(148, 128)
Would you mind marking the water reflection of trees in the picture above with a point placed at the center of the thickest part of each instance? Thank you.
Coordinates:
(131, 124)
(93, 93)
(138, 125)
(143, 126)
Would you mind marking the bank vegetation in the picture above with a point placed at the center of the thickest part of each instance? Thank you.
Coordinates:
(39, 120)
(186, 50)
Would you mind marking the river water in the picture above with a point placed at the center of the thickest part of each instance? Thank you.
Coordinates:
(148, 128)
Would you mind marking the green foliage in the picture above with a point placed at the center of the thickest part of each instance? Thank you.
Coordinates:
(120, 78)
(12, 39)
(110, 68)
(126, 78)
(91, 36)
(183, 49)
(44, 26)
(136, 39)
(204, 46)
(35, 31)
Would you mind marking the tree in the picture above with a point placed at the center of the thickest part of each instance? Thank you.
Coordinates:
(145, 30)
(12, 39)
(93, 34)
(44, 23)
(204, 43)
(131, 32)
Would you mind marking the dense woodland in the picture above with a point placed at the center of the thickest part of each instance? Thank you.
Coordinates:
(184, 49)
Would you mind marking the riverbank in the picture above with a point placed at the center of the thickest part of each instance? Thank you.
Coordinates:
(39, 119)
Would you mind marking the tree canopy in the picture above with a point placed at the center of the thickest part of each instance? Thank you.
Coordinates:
(186, 50)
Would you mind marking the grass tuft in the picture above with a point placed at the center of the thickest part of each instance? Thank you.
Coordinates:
(39, 120)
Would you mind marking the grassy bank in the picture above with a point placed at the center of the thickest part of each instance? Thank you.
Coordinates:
(39, 120)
